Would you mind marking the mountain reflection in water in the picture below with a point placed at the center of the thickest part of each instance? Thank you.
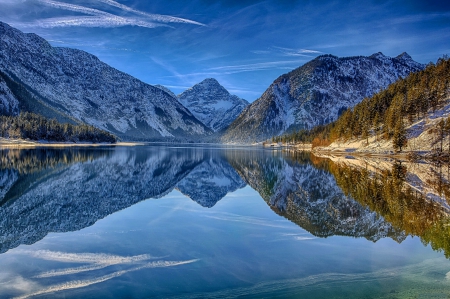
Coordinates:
(61, 190)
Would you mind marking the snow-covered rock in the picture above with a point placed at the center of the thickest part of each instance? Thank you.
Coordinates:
(317, 93)
(87, 90)
(9, 105)
(168, 91)
(212, 104)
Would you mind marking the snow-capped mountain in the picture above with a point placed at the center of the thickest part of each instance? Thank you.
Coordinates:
(310, 197)
(212, 104)
(317, 93)
(168, 91)
(87, 90)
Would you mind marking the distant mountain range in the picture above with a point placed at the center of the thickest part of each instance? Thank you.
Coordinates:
(316, 94)
(82, 88)
(74, 86)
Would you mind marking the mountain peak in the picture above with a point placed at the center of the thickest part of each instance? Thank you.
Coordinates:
(404, 56)
(77, 85)
(316, 94)
(212, 104)
(378, 55)
(210, 81)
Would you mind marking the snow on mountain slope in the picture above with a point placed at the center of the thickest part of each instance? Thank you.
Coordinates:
(317, 93)
(9, 105)
(168, 91)
(212, 104)
(79, 85)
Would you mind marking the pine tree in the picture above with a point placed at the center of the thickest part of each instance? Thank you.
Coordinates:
(399, 139)
(441, 132)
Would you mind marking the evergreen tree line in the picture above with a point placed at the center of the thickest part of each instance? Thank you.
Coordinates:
(28, 161)
(317, 136)
(386, 114)
(35, 127)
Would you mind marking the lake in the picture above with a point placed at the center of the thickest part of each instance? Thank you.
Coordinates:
(180, 221)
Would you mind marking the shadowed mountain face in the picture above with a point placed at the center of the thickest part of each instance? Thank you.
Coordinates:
(212, 104)
(316, 94)
(75, 86)
(61, 190)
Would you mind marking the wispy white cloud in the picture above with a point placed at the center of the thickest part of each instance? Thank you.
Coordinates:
(243, 90)
(296, 52)
(95, 261)
(287, 52)
(417, 18)
(98, 261)
(247, 219)
(13, 283)
(100, 18)
(95, 258)
(95, 21)
(70, 271)
(74, 8)
(155, 17)
(257, 66)
(261, 52)
(85, 283)
(235, 69)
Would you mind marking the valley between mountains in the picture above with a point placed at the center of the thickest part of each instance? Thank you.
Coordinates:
(90, 101)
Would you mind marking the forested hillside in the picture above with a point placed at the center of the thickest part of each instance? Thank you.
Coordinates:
(387, 114)
(35, 127)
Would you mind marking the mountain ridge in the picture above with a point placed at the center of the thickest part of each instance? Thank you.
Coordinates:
(82, 87)
(317, 93)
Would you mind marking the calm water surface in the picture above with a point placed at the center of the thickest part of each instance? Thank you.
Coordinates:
(204, 222)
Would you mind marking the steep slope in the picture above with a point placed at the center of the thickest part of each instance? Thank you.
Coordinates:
(9, 105)
(168, 91)
(317, 93)
(412, 114)
(212, 104)
(82, 87)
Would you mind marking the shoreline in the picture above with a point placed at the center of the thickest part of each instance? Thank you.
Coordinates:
(364, 152)
(20, 143)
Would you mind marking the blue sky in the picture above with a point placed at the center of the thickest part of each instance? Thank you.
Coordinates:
(244, 44)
